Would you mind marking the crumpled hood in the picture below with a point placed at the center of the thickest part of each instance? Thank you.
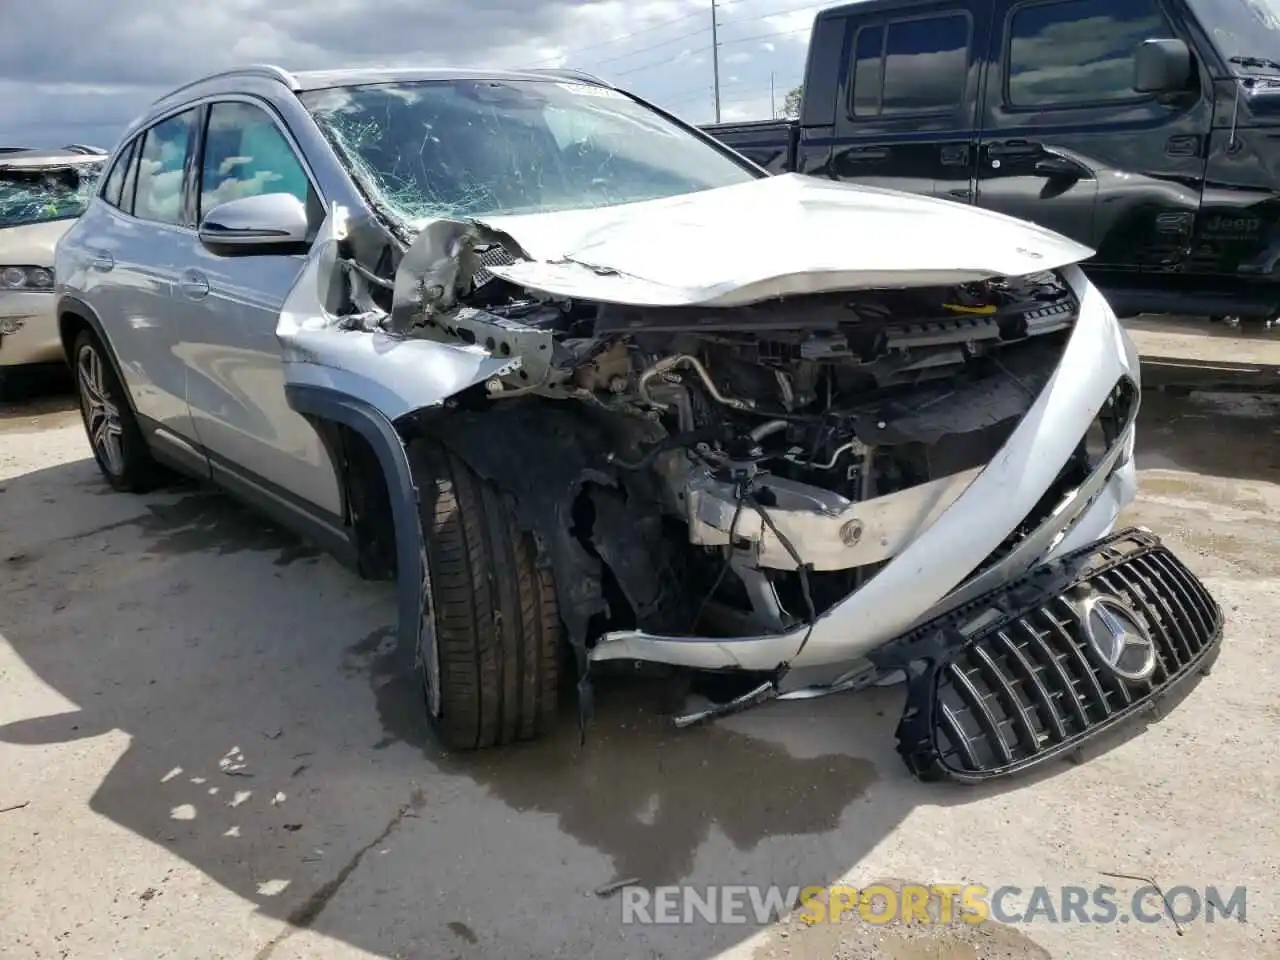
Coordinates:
(777, 236)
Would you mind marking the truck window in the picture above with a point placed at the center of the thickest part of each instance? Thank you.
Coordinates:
(1077, 52)
(910, 66)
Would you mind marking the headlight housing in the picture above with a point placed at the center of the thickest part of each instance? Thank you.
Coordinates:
(26, 278)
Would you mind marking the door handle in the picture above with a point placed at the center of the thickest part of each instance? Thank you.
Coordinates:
(102, 262)
(1012, 148)
(1183, 146)
(194, 285)
(1058, 168)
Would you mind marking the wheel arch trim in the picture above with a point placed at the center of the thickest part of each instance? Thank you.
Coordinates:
(74, 306)
(383, 438)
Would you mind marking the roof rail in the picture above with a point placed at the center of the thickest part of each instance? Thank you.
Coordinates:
(569, 73)
(266, 71)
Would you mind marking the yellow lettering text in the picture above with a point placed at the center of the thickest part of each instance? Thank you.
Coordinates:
(866, 906)
(974, 900)
(843, 899)
(813, 909)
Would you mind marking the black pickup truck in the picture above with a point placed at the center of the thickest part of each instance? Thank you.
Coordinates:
(1148, 130)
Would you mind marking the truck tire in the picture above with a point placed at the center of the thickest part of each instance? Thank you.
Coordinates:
(492, 607)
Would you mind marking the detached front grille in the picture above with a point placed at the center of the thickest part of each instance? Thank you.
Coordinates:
(1036, 679)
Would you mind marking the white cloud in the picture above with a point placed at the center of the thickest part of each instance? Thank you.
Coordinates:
(658, 48)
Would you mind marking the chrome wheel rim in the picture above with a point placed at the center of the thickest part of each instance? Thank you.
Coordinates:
(101, 414)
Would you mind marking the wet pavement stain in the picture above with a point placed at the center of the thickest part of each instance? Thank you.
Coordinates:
(1209, 435)
(460, 929)
(212, 522)
(639, 790)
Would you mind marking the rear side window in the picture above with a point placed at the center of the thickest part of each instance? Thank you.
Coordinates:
(160, 170)
(912, 66)
(115, 180)
(1077, 51)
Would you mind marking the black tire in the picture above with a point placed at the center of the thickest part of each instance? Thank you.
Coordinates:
(496, 620)
(130, 468)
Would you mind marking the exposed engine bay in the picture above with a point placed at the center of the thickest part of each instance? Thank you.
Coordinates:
(789, 447)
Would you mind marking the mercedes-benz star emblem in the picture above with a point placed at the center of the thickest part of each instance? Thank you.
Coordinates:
(1118, 638)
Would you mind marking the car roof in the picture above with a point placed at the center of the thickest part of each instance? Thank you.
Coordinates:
(301, 81)
(352, 76)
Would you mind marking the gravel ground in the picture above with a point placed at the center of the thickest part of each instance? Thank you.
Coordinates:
(210, 751)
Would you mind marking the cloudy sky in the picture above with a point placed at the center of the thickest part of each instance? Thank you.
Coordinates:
(125, 54)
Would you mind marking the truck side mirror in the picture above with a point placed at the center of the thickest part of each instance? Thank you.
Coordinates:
(1161, 66)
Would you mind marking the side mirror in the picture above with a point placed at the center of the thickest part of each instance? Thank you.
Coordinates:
(263, 224)
(1161, 66)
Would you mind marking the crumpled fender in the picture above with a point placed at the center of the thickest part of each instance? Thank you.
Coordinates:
(394, 374)
(367, 380)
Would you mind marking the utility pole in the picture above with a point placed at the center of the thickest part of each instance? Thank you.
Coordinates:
(773, 104)
(715, 57)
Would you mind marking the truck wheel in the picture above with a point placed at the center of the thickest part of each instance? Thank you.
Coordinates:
(493, 679)
(114, 437)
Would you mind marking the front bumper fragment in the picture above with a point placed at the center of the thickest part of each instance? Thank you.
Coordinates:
(1024, 674)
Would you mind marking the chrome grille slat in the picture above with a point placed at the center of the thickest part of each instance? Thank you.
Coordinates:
(1052, 665)
(1181, 593)
(1012, 700)
(976, 702)
(1146, 570)
(1073, 645)
(1044, 700)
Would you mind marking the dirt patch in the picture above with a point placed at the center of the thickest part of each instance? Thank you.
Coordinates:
(947, 936)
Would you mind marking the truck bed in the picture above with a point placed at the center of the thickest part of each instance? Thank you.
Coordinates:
(770, 143)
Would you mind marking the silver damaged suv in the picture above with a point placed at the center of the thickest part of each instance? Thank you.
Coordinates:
(580, 380)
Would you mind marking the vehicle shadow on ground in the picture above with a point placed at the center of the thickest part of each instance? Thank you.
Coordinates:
(276, 745)
(1231, 436)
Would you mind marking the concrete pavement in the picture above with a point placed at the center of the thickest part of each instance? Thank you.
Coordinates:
(212, 751)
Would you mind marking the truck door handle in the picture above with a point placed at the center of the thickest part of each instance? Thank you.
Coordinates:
(194, 285)
(1012, 148)
(103, 262)
(1058, 168)
(1183, 146)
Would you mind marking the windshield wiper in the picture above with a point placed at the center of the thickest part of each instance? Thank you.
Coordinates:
(1255, 62)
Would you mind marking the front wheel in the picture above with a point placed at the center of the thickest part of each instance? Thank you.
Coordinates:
(489, 642)
(114, 436)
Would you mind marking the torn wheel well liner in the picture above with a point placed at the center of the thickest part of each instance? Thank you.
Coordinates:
(551, 459)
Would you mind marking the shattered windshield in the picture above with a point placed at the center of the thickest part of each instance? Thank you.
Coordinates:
(1246, 32)
(465, 148)
(43, 194)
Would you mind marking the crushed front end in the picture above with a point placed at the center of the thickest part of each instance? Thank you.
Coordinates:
(814, 468)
